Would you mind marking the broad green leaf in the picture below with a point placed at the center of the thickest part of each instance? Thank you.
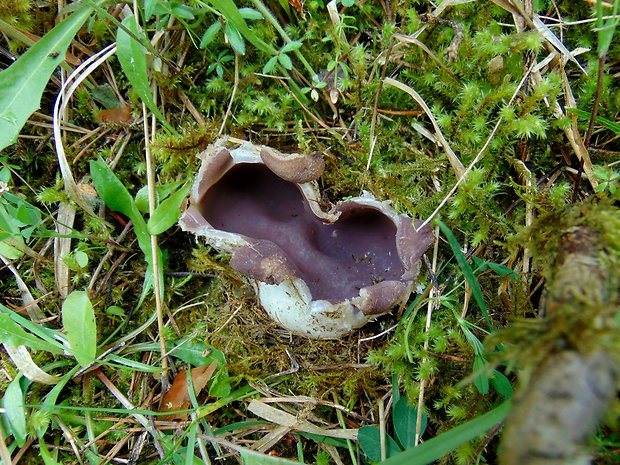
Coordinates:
(235, 38)
(12, 333)
(210, 34)
(7, 223)
(481, 381)
(250, 13)
(142, 199)
(132, 58)
(22, 84)
(466, 269)
(196, 353)
(15, 411)
(117, 198)
(78, 318)
(501, 384)
(111, 190)
(369, 438)
(168, 212)
(270, 65)
(183, 12)
(405, 418)
(149, 8)
(230, 11)
(439, 446)
(115, 311)
(10, 252)
(294, 45)
(285, 61)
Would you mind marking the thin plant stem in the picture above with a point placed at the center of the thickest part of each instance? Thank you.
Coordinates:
(427, 327)
(232, 96)
(150, 180)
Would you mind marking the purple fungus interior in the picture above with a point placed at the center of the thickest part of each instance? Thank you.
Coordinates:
(335, 260)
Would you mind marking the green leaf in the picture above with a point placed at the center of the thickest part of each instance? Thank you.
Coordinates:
(250, 457)
(609, 124)
(111, 190)
(501, 384)
(10, 252)
(132, 58)
(78, 318)
(439, 446)
(142, 199)
(230, 11)
(138, 366)
(183, 12)
(285, 61)
(481, 381)
(235, 38)
(369, 438)
(149, 8)
(196, 353)
(295, 45)
(15, 411)
(405, 418)
(250, 13)
(12, 333)
(210, 34)
(467, 271)
(115, 311)
(168, 212)
(46, 455)
(114, 194)
(81, 258)
(605, 29)
(22, 84)
(270, 65)
(48, 336)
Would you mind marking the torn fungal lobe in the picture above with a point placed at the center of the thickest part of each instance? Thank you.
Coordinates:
(335, 260)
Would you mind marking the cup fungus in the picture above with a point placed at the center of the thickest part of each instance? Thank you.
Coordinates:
(318, 274)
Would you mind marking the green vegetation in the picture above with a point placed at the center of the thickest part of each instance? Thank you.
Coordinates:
(496, 121)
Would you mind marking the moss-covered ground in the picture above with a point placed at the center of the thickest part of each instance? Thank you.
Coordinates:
(497, 119)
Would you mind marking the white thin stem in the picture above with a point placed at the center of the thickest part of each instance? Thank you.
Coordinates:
(232, 96)
(150, 181)
(65, 93)
(427, 327)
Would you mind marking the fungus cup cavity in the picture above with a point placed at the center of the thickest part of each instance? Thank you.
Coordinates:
(317, 273)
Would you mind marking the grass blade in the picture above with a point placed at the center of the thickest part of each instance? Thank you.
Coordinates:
(23, 83)
(12, 333)
(439, 446)
(467, 270)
